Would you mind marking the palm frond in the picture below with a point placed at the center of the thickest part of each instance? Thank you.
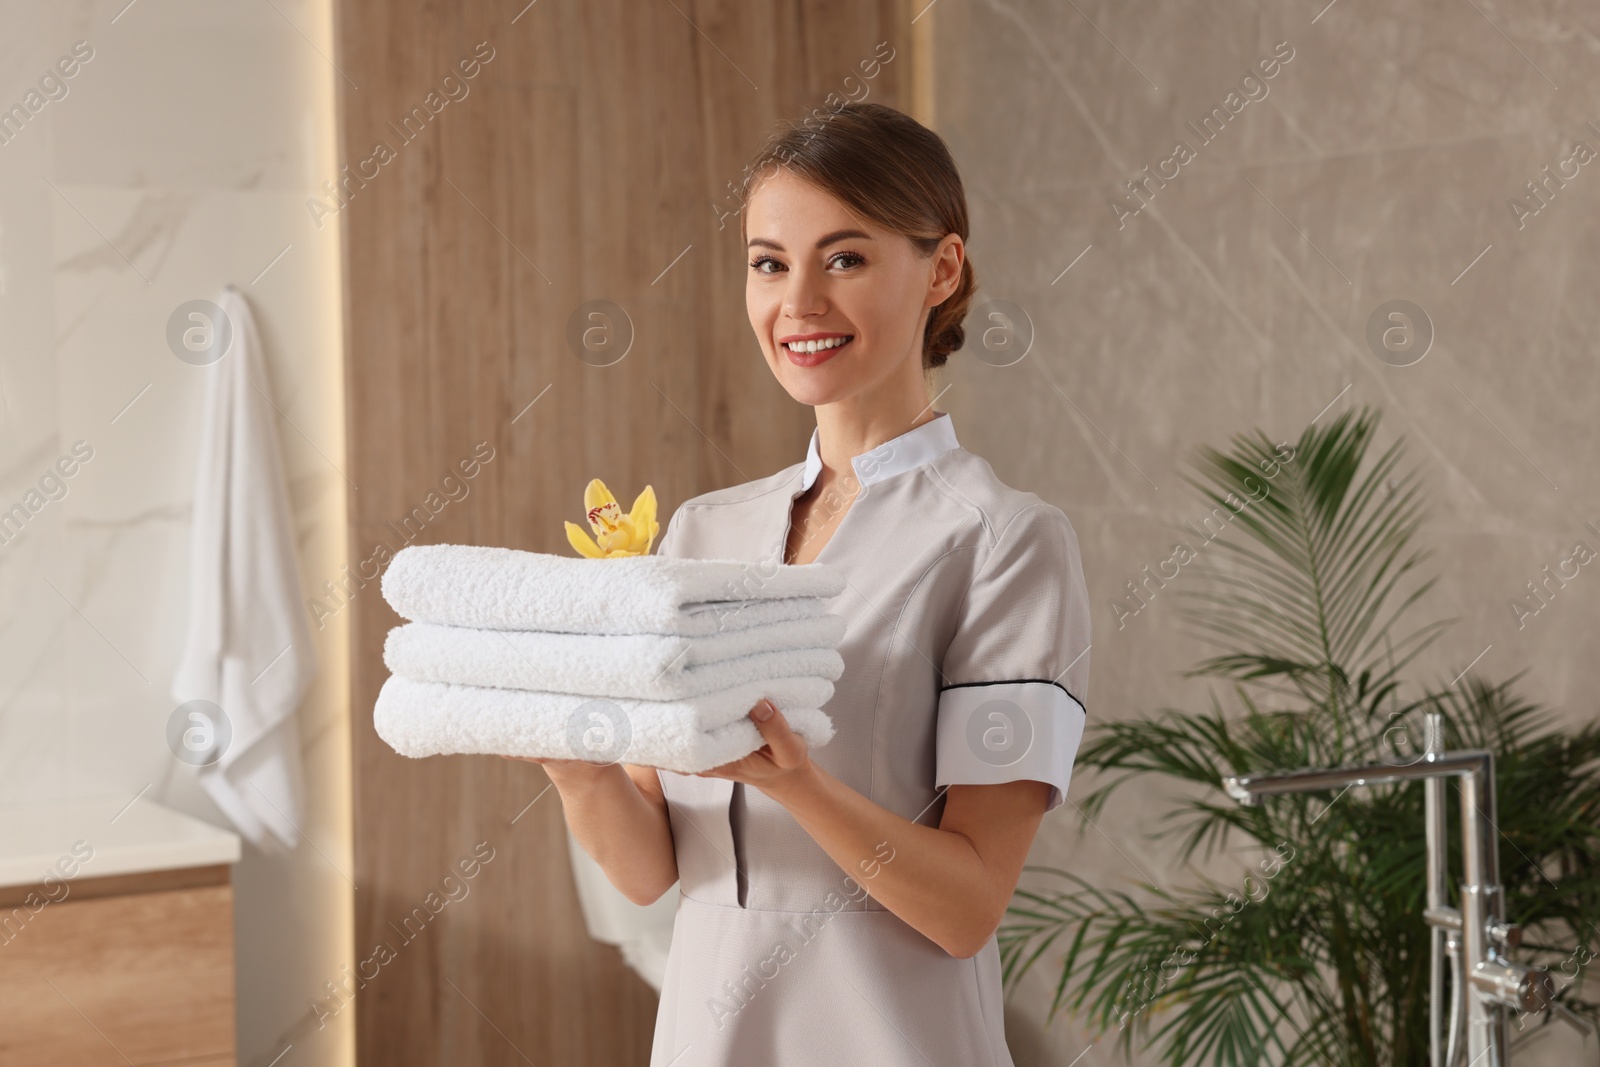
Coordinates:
(1305, 579)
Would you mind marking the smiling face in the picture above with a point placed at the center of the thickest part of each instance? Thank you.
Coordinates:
(838, 302)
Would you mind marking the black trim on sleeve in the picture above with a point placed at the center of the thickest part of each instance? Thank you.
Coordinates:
(1015, 681)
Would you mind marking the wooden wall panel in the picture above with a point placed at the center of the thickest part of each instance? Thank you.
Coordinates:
(582, 164)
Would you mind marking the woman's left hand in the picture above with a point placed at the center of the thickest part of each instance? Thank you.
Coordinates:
(785, 755)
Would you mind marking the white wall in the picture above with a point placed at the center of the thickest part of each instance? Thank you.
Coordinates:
(179, 159)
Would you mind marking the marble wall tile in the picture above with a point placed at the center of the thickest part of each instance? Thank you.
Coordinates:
(190, 94)
(180, 158)
(1379, 165)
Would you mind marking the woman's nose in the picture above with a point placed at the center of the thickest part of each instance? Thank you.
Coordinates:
(803, 295)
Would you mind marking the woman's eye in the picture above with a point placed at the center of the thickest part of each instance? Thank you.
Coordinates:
(845, 260)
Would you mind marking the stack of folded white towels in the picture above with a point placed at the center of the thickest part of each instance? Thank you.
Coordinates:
(650, 660)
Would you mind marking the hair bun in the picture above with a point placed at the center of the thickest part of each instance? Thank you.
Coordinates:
(947, 330)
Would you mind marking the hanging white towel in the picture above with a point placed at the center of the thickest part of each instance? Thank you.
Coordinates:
(636, 666)
(421, 719)
(511, 589)
(249, 647)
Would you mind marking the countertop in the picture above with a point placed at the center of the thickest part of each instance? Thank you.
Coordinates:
(125, 838)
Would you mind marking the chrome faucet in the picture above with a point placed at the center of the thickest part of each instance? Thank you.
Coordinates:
(1476, 936)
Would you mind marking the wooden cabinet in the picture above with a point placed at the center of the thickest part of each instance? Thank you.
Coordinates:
(116, 936)
(131, 968)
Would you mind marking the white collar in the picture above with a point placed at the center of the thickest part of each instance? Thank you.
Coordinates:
(919, 445)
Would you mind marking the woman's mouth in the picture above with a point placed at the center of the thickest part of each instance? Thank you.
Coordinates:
(813, 353)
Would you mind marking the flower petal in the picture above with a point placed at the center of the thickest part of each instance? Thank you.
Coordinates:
(582, 542)
(643, 518)
(644, 507)
(595, 494)
(605, 518)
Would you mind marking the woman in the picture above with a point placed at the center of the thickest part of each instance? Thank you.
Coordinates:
(839, 906)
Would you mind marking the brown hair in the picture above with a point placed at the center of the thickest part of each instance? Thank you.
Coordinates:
(889, 168)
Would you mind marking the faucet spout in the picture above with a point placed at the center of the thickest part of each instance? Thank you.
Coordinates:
(1249, 789)
(1487, 982)
(1238, 792)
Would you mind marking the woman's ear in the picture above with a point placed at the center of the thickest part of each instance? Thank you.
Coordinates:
(947, 261)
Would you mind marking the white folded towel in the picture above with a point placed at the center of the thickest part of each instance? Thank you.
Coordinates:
(635, 666)
(436, 718)
(509, 589)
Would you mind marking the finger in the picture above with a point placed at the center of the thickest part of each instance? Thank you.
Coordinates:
(788, 748)
(720, 771)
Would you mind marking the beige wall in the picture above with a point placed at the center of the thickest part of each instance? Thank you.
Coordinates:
(1382, 160)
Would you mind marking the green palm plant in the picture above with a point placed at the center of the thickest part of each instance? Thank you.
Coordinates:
(1316, 953)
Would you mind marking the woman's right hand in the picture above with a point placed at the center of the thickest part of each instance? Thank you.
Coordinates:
(621, 821)
(569, 770)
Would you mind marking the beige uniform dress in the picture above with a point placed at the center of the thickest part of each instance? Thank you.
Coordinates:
(965, 661)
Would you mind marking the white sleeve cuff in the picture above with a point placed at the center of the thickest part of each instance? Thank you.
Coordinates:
(995, 732)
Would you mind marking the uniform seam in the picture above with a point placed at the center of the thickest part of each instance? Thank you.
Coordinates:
(995, 538)
(778, 488)
(939, 483)
(1024, 510)
(792, 911)
(980, 571)
(883, 671)
(994, 1026)
(957, 495)
(988, 529)
(1020, 681)
(983, 567)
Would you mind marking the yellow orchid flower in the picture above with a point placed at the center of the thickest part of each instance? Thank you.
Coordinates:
(618, 534)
